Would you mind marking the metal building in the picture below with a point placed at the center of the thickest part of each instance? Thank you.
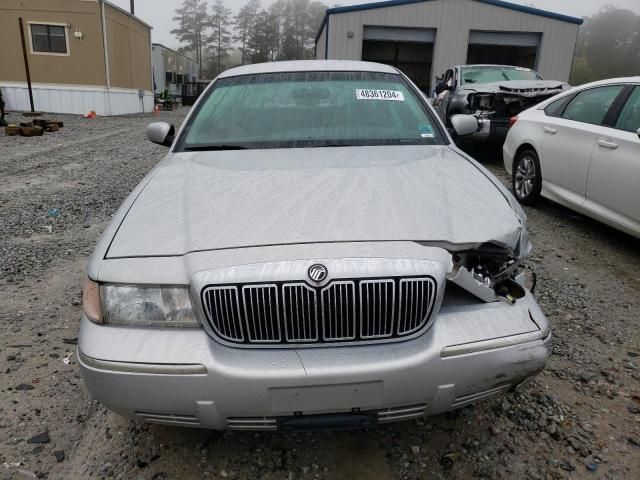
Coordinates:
(424, 38)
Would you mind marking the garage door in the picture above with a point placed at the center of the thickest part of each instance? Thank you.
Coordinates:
(408, 49)
(504, 48)
(420, 35)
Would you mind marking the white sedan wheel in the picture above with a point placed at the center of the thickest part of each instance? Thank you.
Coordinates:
(525, 176)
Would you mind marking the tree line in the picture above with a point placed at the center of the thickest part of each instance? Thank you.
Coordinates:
(285, 30)
(608, 46)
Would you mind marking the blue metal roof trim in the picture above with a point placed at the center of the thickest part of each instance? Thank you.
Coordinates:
(496, 3)
(371, 6)
(364, 6)
(533, 11)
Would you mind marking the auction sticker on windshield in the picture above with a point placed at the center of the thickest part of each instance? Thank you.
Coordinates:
(370, 94)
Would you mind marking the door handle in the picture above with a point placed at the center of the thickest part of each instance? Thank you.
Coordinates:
(550, 130)
(606, 144)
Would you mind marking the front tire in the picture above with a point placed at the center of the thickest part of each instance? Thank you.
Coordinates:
(526, 178)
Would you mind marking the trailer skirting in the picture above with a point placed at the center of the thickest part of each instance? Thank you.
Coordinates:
(76, 99)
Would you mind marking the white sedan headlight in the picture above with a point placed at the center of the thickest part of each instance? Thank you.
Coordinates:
(147, 306)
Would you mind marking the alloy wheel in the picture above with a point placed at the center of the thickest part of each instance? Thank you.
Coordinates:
(525, 176)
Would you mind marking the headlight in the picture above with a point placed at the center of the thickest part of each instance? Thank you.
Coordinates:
(147, 306)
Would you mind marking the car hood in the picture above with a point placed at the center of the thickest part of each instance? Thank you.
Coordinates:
(200, 201)
(520, 87)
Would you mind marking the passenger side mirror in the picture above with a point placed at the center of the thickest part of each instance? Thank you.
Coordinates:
(161, 133)
(464, 124)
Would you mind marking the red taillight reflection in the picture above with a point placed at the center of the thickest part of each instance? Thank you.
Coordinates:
(512, 121)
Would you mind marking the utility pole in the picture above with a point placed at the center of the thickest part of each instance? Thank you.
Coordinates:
(133, 7)
(199, 44)
(26, 63)
(219, 42)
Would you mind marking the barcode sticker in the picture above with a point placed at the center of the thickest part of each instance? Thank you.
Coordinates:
(370, 94)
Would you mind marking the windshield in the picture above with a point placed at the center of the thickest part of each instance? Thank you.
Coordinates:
(492, 74)
(310, 109)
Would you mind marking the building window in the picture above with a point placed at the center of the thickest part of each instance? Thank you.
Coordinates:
(170, 77)
(49, 39)
(180, 79)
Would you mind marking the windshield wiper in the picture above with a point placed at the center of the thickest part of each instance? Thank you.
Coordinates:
(213, 147)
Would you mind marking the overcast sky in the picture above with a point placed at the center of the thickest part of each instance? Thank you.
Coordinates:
(159, 13)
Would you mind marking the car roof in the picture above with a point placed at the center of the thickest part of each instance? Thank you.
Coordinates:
(308, 66)
(491, 65)
(609, 81)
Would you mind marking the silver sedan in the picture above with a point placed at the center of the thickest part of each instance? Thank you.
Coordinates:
(313, 252)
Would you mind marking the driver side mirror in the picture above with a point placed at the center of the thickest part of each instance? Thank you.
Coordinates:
(161, 133)
(464, 124)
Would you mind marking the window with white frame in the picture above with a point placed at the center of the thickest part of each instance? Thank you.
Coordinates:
(48, 38)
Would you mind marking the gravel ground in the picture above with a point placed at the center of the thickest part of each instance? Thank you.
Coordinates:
(579, 419)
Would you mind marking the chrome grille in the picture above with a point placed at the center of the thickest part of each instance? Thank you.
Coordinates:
(401, 413)
(385, 415)
(169, 418)
(339, 311)
(261, 313)
(343, 310)
(222, 308)
(257, 423)
(416, 298)
(377, 299)
(300, 308)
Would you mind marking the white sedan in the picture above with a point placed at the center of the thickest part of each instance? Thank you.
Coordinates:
(582, 149)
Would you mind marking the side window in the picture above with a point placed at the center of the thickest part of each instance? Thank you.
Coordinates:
(554, 109)
(48, 39)
(591, 106)
(629, 119)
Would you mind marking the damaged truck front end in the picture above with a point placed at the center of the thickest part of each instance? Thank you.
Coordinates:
(495, 107)
(493, 94)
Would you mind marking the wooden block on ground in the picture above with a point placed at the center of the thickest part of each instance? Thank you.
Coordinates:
(31, 131)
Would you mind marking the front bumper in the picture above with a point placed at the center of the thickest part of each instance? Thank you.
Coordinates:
(490, 130)
(183, 377)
